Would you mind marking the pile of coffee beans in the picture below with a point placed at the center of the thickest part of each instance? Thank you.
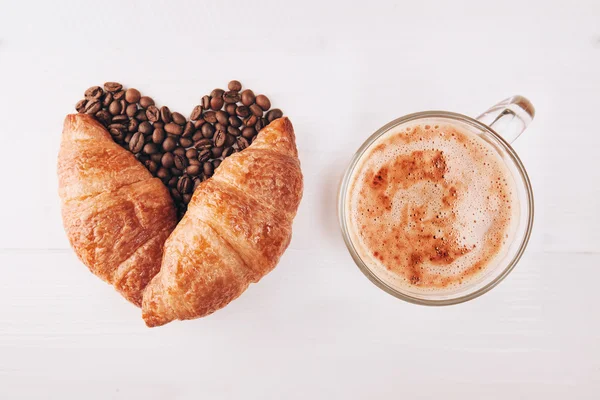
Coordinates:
(181, 152)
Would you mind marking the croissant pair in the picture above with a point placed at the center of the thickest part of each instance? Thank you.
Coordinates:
(122, 223)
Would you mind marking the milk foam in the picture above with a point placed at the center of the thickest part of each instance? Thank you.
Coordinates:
(431, 206)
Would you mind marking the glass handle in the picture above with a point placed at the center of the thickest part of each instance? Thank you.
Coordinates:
(510, 117)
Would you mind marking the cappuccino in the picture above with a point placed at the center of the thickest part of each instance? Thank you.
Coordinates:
(431, 206)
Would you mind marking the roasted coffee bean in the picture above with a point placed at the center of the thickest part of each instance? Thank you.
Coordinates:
(92, 107)
(151, 165)
(242, 111)
(227, 151)
(103, 116)
(205, 102)
(133, 125)
(234, 85)
(220, 128)
(117, 135)
(128, 137)
(146, 128)
(173, 128)
(248, 97)
(158, 125)
(175, 194)
(131, 110)
(167, 160)
(156, 157)
(197, 136)
(140, 115)
(204, 155)
(163, 173)
(203, 144)
(207, 168)
(263, 102)
(207, 130)
(180, 151)
(274, 114)
(196, 113)
(152, 114)
(120, 127)
(248, 132)
(112, 86)
(178, 118)
(220, 138)
(150, 148)
(234, 121)
(148, 138)
(132, 95)
(256, 110)
(222, 117)
(216, 103)
(216, 152)
(172, 183)
(93, 93)
(185, 184)
(146, 101)
(261, 123)
(193, 170)
(108, 98)
(159, 135)
(251, 120)
(197, 182)
(253, 139)
(191, 153)
(188, 129)
(230, 108)
(123, 107)
(194, 161)
(80, 106)
(186, 142)
(242, 142)
(229, 141)
(217, 93)
(199, 123)
(232, 130)
(231, 97)
(210, 116)
(136, 144)
(169, 144)
(180, 161)
(120, 95)
(216, 163)
(176, 172)
(141, 157)
(165, 114)
(186, 198)
(120, 119)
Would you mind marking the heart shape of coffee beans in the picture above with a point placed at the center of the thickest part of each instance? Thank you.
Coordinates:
(181, 152)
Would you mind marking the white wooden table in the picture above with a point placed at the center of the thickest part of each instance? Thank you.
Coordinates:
(315, 328)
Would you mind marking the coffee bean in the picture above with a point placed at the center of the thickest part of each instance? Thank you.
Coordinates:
(108, 98)
(230, 108)
(176, 172)
(232, 130)
(242, 142)
(193, 170)
(140, 115)
(141, 157)
(173, 128)
(248, 97)
(131, 110)
(191, 153)
(263, 102)
(175, 194)
(197, 182)
(216, 103)
(146, 101)
(93, 93)
(188, 129)
(158, 136)
(234, 121)
(163, 173)
(217, 93)
(220, 128)
(234, 85)
(103, 116)
(256, 110)
(180, 151)
(203, 144)
(136, 143)
(261, 123)
(220, 138)
(164, 114)
(146, 128)
(208, 130)
(158, 124)
(204, 155)
(132, 95)
(274, 114)
(150, 148)
(251, 120)
(186, 142)
(172, 183)
(120, 119)
(253, 139)
(80, 106)
(112, 86)
(185, 184)
(117, 135)
(187, 198)
(194, 161)
(227, 151)
(248, 132)
(151, 165)
(231, 97)
(169, 144)
(197, 136)
(167, 160)
(196, 113)
(216, 163)
(92, 107)
(120, 95)
(180, 161)
(229, 141)
(205, 102)
(199, 123)
(216, 152)
(210, 116)
(222, 117)
(152, 113)
(178, 118)
(242, 111)
(132, 125)
(207, 168)
(156, 157)
(120, 127)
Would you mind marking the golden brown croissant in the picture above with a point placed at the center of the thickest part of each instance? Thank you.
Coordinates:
(238, 224)
(116, 215)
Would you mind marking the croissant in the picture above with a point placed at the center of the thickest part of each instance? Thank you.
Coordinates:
(118, 218)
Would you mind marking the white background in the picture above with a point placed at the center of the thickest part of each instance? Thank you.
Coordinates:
(315, 328)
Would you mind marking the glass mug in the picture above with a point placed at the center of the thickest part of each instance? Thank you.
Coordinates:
(498, 126)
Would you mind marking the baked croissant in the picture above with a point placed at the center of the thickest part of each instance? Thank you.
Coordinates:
(237, 226)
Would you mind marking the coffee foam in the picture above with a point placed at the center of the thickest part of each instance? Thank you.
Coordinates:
(431, 206)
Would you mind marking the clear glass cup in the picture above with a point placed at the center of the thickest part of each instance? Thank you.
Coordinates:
(498, 126)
